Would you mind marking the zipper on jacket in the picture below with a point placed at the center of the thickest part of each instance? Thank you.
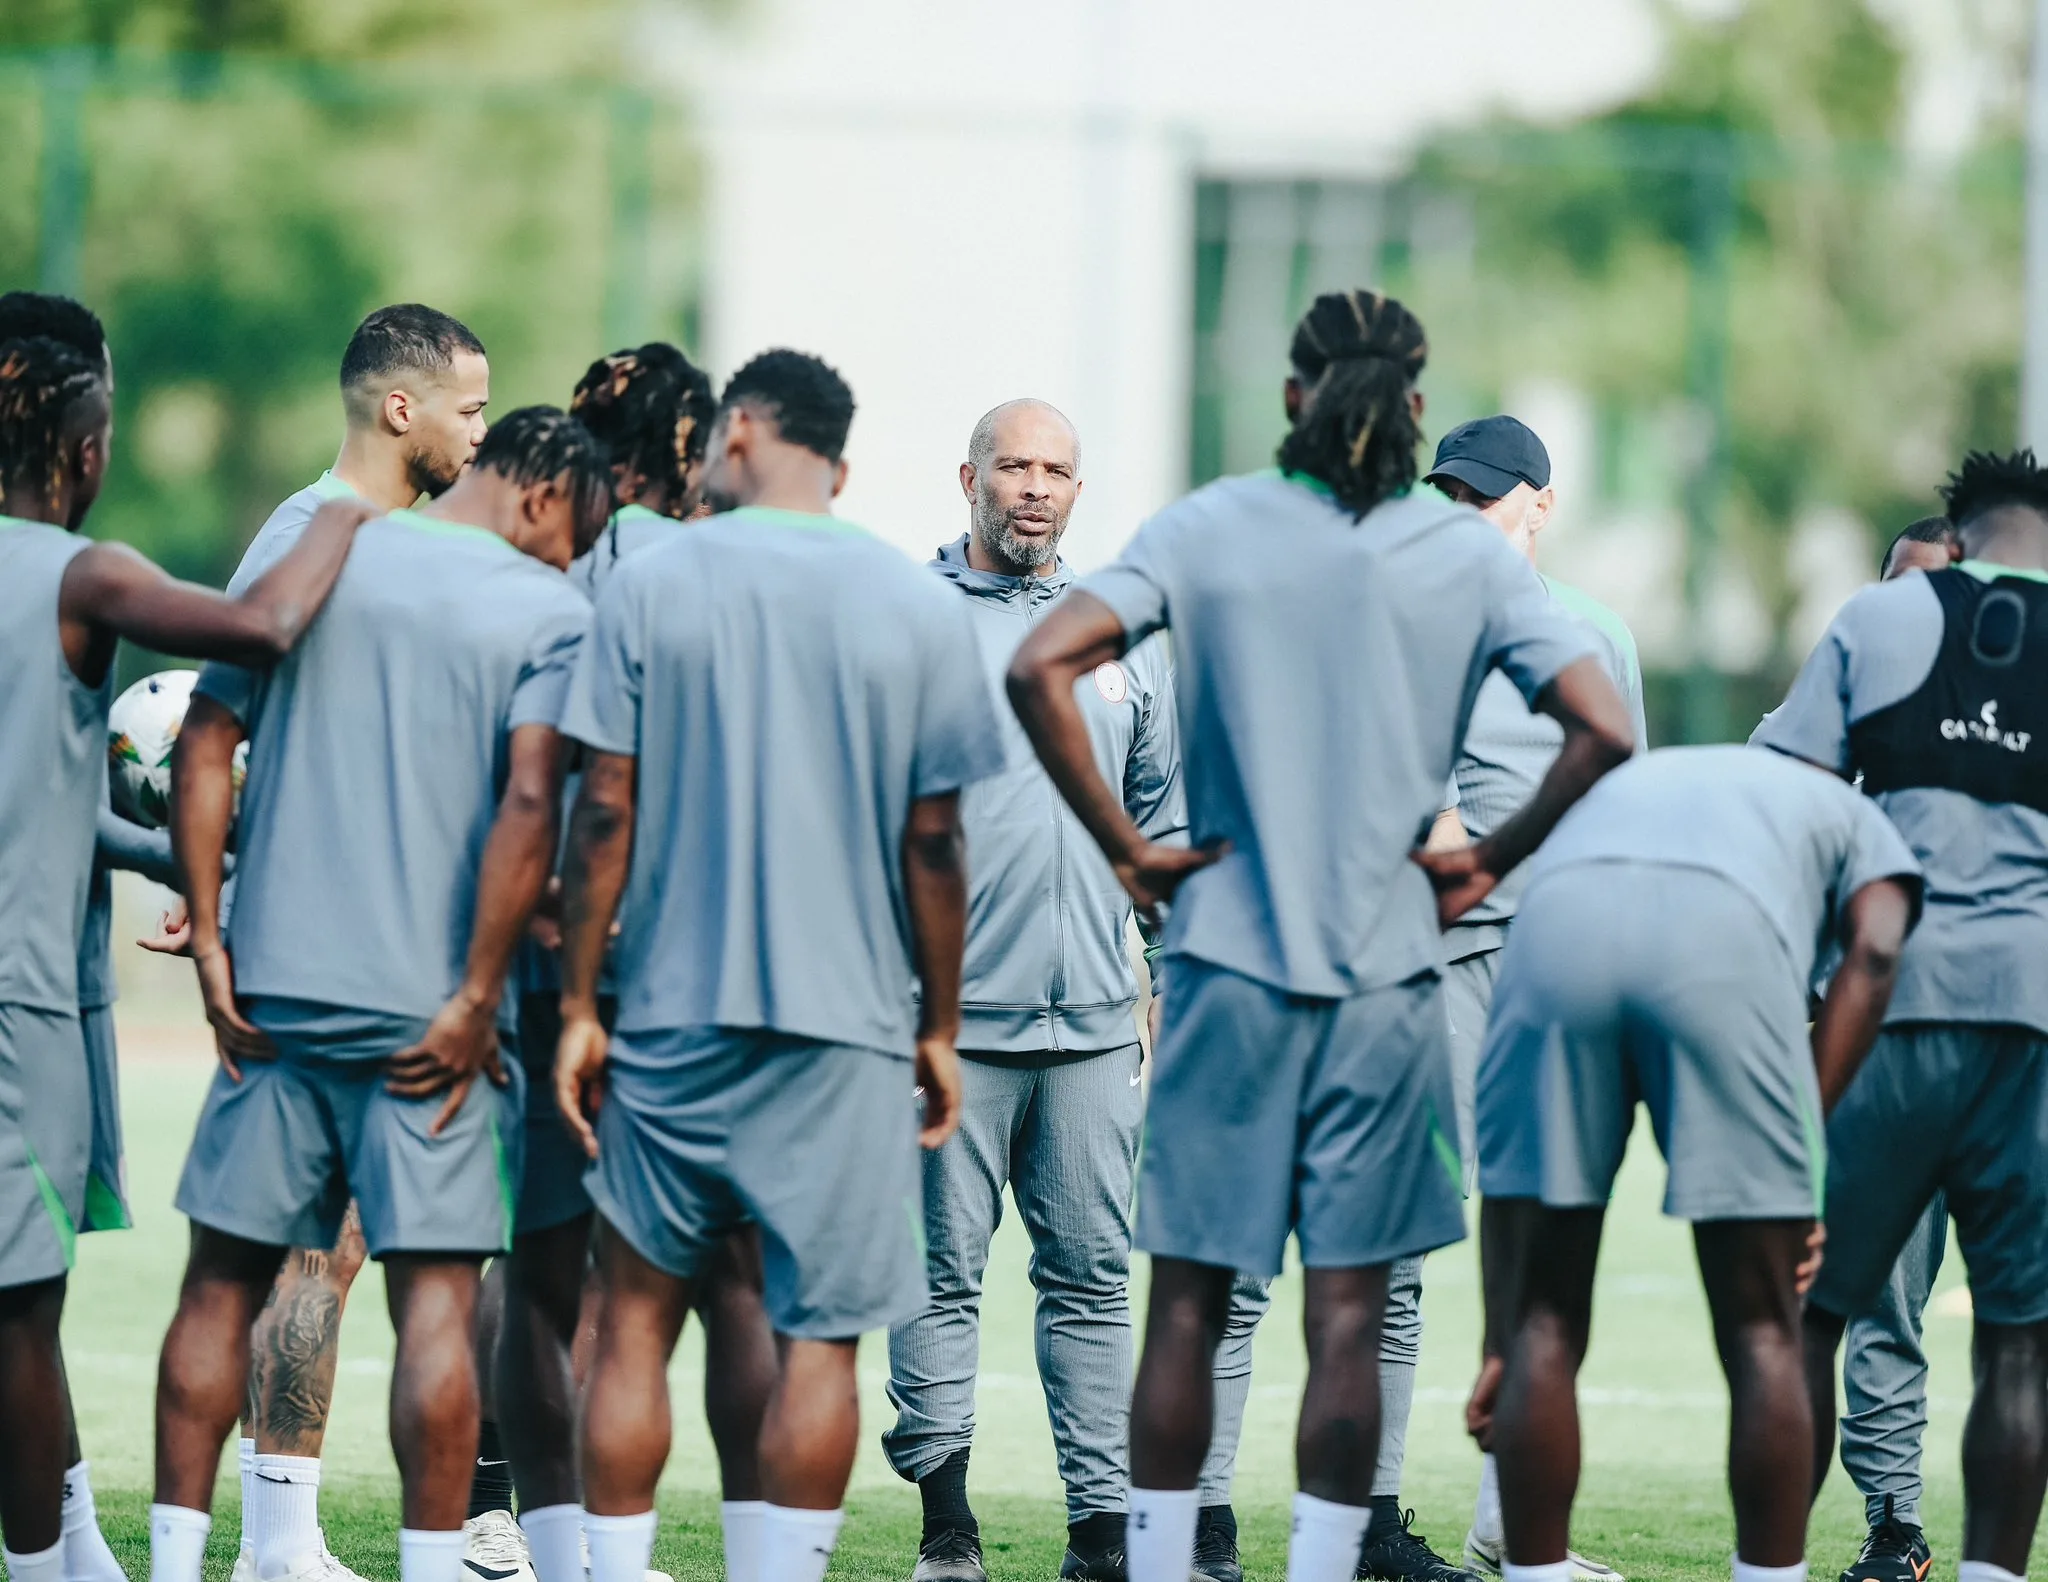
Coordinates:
(1057, 989)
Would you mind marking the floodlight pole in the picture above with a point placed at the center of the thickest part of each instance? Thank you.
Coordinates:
(2034, 368)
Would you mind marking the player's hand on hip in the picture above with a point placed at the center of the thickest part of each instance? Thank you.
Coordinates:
(461, 1041)
(579, 1075)
(1809, 1266)
(938, 1080)
(173, 936)
(1152, 873)
(1460, 878)
(234, 1036)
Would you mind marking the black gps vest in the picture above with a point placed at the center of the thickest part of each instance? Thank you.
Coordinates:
(1979, 723)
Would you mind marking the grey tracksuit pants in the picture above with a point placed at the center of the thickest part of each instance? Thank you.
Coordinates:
(1065, 1140)
(1468, 990)
(1884, 1378)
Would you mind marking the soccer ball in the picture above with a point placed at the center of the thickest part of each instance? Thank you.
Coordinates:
(142, 728)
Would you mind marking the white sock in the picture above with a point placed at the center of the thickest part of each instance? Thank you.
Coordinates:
(177, 1543)
(245, 1453)
(86, 1555)
(620, 1546)
(1326, 1539)
(1745, 1572)
(741, 1520)
(430, 1556)
(1159, 1534)
(554, 1535)
(1486, 1522)
(282, 1517)
(1556, 1571)
(46, 1565)
(795, 1545)
(1983, 1571)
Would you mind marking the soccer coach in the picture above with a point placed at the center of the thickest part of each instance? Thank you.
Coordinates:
(1052, 1099)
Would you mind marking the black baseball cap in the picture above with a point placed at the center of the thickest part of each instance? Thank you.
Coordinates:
(1492, 455)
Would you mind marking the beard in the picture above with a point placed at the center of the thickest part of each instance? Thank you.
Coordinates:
(1021, 557)
(433, 475)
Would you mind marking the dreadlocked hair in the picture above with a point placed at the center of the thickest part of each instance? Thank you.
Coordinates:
(43, 383)
(29, 313)
(1357, 354)
(651, 410)
(1986, 481)
(539, 444)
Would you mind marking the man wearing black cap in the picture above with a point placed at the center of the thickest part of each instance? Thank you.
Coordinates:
(1499, 467)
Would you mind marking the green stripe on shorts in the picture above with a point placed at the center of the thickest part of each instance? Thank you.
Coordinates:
(104, 1209)
(1447, 1153)
(53, 1205)
(508, 1189)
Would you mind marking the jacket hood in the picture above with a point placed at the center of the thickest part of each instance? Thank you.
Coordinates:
(951, 563)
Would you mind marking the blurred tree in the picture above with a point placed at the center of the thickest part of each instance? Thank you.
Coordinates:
(1872, 288)
(252, 176)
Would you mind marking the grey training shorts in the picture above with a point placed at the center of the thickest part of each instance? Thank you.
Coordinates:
(1954, 1108)
(705, 1128)
(1626, 982)
(1273, 1113)
(45, 1142)
(106, 1181)
(278, 1155)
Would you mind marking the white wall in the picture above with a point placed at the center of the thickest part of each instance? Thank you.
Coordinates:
(958, 201)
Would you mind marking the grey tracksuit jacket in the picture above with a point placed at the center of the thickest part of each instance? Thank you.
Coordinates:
(1047, 976)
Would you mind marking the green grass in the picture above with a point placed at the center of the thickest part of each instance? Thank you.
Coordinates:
(1652, 1500)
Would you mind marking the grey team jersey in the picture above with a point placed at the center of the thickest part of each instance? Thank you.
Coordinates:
(282, 528)
(1325, 671)
(53, 774)
(1798, 841)
(377, 756)
(1509, 748)
(1048, 969)
(118, 844)
(1981, 951)
(788, 684)
(632, 528)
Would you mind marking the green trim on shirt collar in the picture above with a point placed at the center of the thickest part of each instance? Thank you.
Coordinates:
(329, 487)
(407, 517)
(814, 521)
(637, 512)
(1308, 481)
(1991, 571)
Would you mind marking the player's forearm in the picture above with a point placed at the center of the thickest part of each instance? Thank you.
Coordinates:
(594, 870)
(133, 849)
(935, 891)
(517, 859)
(1597, 738)
(202, 809)
(1851, 1015)
(1042, 693)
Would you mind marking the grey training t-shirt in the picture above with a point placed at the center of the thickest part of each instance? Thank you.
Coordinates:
(1981, 951)
(282, 528)
(1797, 840)
(789, 684)
(1509, 748)
(1325, 670)
(631, 529)
(377, 756)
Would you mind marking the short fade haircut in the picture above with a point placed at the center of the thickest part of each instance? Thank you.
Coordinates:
(35, 315)
(1986, 481)
(1928, 530)
(404, 338)
(538, 444)
(810, 404)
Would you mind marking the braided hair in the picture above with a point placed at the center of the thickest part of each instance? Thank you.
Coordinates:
(650, 409)
(43, 384)
(538, 444)
(1356, 354)
(1986, 481)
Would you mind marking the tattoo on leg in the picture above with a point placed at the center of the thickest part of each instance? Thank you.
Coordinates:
(292, 1346)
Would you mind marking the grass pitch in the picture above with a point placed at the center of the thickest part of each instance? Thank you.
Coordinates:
(1652, 1500)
